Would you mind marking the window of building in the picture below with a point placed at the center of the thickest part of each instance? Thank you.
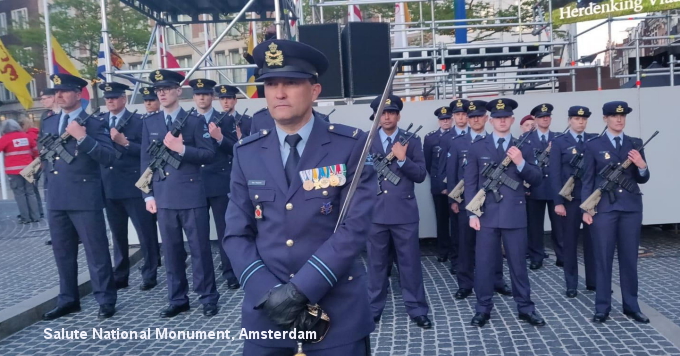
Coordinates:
(6, 95)
(185, 62)
(32, 88)
(221, 26)
(220, 59)
(236, 58)
(173, 37)
(20, 18)
(3, 24)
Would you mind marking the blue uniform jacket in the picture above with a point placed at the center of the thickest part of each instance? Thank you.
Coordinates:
(510, 212)
(457, 159)
(216, 174)
(599, 153)
(294, 241)
(78, 186)
(182, 188)
(397, 204)
(542, 191)
(120, 176)
(432, 150)
(564, 148)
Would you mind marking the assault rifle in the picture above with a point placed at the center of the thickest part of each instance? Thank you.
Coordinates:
(381, 164)
(613, 177)
(576, 163)
(52, 149)
(161, 155)
(121, 125)
(496, 177)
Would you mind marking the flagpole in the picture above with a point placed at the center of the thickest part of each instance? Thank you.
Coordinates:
(48, 37)
(206, 44)
(159, 36)
(144, 61)
(107, 47)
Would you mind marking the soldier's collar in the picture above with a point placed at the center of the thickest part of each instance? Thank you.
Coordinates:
(172, 114)
(304, 132)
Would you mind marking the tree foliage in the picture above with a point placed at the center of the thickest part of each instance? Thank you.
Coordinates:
(76, 24)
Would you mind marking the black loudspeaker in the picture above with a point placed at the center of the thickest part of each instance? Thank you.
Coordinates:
(326, 38)
(366, 58)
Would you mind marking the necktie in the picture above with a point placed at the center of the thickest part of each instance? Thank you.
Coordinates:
(580, 141)
(618, 143)
(388, 149)
(543, 141)
(500, 149)
(462, 132)
(62, 129)
(168, 122)
(114, 119)
(293, 157)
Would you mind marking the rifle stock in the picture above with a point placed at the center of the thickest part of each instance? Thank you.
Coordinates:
(475, 206)
(144, 181)
(567, 189)
(30, 171)
(457, 192)
(590, 204)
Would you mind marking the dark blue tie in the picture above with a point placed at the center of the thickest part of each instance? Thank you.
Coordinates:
(293, 157)
(388, 149)
(62, 129)
(168, 122)
(500, 149)
(618, 143)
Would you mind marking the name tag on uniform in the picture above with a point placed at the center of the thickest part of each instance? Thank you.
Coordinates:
(255, 182)
(484, 157)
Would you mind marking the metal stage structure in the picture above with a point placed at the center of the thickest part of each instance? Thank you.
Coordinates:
(534, 60)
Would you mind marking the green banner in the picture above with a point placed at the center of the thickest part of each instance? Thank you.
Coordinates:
(569, 11)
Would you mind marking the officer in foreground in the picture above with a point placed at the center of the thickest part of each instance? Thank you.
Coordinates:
(288, 187)
(178, 196)
(617, 223)
(75, 201)
(395, 216)
(501, 220)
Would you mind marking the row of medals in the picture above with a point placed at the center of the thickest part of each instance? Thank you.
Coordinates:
(335, 180)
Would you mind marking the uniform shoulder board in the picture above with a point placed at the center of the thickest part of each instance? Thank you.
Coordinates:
(592, 138)
(457, 136)
(252, 138)
(405, 133)
(344, 130)
(260, 111)
(431, 132)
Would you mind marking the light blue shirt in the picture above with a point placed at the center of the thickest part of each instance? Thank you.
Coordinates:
(71, 116)
(118, 116)
(304, 133)
(459, 131)
(474, 135)
(541, 135)
(506, 143)
(208, 115)
(574, 134)
(393, 137)
(611, 138)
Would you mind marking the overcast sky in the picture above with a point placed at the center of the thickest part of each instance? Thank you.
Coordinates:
(596, 40)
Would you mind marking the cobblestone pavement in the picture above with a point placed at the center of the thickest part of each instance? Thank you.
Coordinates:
(569, 330)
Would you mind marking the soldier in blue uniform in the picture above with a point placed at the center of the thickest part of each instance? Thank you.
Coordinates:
(215, 175)
(288, 187)
(433, 150)
(541, 195)
(457, 158)
(564, 149)
(504, 220)
(241, 123)
(123, 199)
(151, 103)
(178, 197)
(396, 219)
(75, 201)
(618, 223)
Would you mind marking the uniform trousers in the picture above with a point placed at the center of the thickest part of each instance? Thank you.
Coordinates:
(570, 234)
(535, 220)
(466, 256)
(219, 209)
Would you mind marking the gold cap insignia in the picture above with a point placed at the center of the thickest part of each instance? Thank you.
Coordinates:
(274, 58)
(223, 90)
(459, 104)
(443, 111)
(146, 91)
(158, 76)
(580, 111)
(199, 84)
(472, 107)
(500, 105)
(544, 108)
(388, 101)
(619, 109)
(108, 88)
(56, 80)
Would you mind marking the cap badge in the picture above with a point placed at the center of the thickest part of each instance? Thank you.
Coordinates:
(146, 91)
(619, 109)
(108, 88)
(544, 108)
(500, 105)
(199, 84)
(274, 58)
(459, 104)
(388, 101)
(158, 76)
(56, 80)
(580, 111)
(443, 111)
(472, 107)
(223, 90)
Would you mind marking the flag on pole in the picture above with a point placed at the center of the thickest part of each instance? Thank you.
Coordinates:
(170, 60)
(354, 13)
(62, 64)
(15, 78)
(117, 62)
(251, 90)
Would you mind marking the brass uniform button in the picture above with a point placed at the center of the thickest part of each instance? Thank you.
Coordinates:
(325, 193)
(257, 197)
(289, 206)
(290, 243)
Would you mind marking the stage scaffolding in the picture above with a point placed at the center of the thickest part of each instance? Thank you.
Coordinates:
(431, 70)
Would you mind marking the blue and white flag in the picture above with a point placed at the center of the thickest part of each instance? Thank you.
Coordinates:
(117, 62)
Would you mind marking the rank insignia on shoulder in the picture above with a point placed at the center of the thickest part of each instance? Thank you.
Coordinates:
(326, 208)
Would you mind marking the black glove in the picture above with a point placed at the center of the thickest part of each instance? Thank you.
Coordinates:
(283, 305)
